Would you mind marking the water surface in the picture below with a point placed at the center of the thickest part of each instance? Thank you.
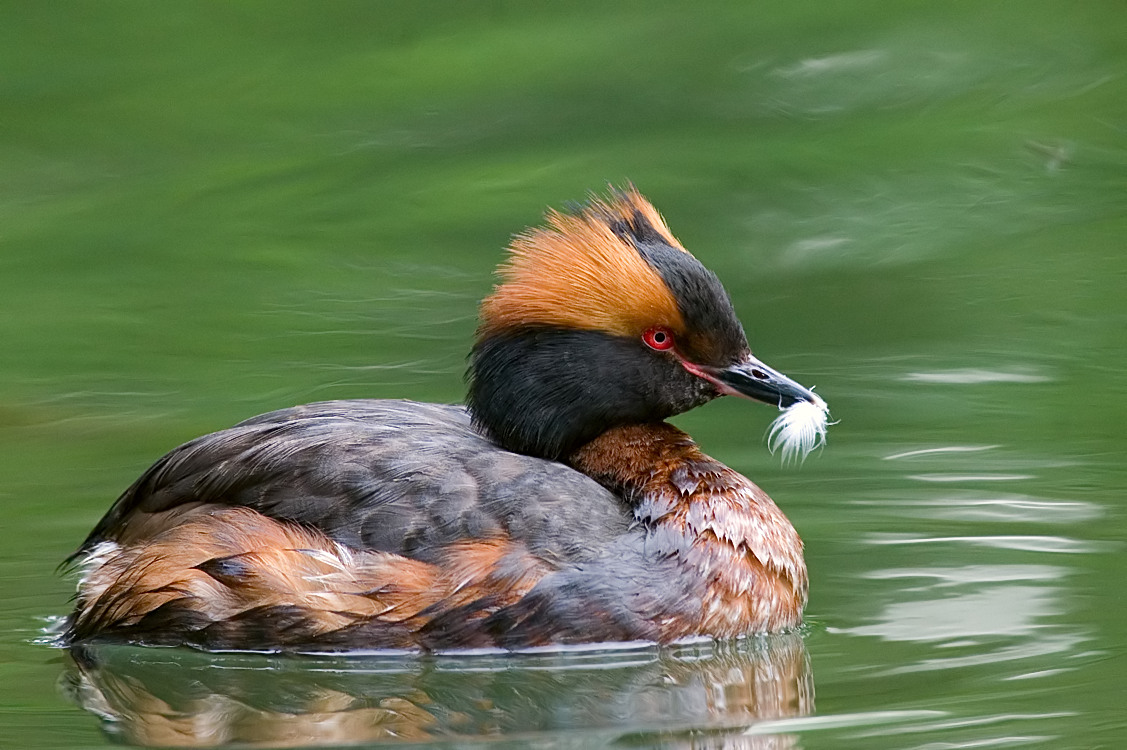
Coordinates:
(211, 211)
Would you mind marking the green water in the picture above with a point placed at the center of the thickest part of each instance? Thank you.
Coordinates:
(210, 211)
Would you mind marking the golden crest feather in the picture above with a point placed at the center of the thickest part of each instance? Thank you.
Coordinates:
(579, 271)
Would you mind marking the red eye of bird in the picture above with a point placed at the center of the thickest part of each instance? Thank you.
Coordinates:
(658, 338)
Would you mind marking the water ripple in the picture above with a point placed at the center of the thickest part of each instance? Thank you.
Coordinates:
(970, 477)
(1045, 645)
(941, 449)
(1007, 610)
(837, 721)
(976, 376)
(1005, 508)
(1032, 543)
(973, 574)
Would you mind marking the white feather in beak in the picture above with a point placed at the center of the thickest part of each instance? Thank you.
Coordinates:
(799, 430)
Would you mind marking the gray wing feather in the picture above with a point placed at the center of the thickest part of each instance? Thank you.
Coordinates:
(396, 476)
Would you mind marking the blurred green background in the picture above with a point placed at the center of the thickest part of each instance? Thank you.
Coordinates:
(210, 210)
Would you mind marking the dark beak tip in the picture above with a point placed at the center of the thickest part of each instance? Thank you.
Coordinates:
(754, 380)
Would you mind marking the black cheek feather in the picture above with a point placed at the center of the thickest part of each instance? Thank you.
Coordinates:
(546, 391)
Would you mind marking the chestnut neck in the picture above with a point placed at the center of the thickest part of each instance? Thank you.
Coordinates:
(713, 519)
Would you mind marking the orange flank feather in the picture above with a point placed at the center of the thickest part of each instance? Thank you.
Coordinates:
(573, 274)
(234, 565)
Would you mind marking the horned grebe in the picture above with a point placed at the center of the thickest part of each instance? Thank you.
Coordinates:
(555, 507)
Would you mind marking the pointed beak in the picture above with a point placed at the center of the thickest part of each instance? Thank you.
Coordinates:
(752, 379)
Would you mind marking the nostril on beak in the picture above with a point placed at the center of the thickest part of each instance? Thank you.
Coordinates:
(759, 374)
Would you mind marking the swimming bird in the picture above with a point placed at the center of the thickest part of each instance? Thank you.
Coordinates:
(556, 507)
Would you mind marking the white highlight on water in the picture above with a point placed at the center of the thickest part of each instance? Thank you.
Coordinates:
(799, 430)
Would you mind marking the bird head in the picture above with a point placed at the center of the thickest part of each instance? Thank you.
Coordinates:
(602, 319)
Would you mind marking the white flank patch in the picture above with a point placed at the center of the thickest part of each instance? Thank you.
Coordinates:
(94, 559)
(798, 430)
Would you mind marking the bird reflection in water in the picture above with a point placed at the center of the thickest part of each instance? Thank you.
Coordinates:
(707, 694)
